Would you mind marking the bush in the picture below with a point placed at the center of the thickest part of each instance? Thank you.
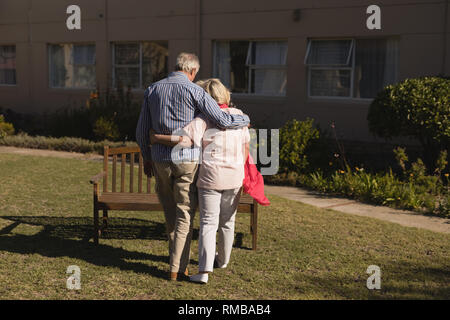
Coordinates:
(69, 144)
(417, 108)
(111, 115)
(6, 129)
(414, 189)
(302, 147)
(106, 129)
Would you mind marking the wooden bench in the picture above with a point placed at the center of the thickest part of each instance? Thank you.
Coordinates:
(114, 197)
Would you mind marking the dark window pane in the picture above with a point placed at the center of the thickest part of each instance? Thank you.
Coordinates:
(127, 53)
(375, 66)
(329, 52)
(8, 65)
(57, 66)
(84, 54)
(239, 70)
(72, 66)
(330, 83)
(154, 62)
(269, 81)
(269, 53)
(127, 77)
(84, 76)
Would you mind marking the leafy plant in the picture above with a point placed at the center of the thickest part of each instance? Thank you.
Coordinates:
(106, 129)
(295, 138)
(417, 108)
(70, 144)
(114, 110)
(6, 129)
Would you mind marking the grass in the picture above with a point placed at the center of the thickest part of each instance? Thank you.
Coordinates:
(304, 252)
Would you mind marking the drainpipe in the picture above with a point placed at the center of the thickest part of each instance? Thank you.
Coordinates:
(29, 54)
(198, 28)
(108, 80)
(444, 42)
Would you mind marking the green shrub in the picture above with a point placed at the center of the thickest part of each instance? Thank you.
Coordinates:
(414, 190)
(296, 140)
(417, 108)
(6, 129)
(106, 129)
(112, 114)
(69, 144)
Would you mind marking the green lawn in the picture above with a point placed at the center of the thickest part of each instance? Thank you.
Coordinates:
(304, 252)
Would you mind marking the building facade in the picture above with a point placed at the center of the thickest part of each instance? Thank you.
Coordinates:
(282, 59)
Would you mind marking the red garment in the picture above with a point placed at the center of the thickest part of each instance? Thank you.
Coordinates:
(254, 183)
(223, 106)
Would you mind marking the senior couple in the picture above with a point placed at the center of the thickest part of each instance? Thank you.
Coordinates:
(211, 131)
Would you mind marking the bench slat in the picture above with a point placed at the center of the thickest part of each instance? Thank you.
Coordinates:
(131, 171)
(125, 150)
(114, 173)
(105, 168)
(141, 162)
(142, 201)
(122, 172)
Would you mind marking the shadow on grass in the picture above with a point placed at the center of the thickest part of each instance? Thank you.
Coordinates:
(238, 241)
(69, 237)
(399, 280)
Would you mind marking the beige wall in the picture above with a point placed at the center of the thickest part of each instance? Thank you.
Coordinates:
(32, 24)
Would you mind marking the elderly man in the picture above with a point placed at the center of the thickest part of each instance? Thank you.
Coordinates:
(169, 105)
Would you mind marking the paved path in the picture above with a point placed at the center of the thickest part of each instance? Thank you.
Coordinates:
(403, 217)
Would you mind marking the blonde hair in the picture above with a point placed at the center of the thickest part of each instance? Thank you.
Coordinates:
(216, 89)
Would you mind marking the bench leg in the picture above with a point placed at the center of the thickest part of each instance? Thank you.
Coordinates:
(254, 225)
(105, 219)
(96, 228)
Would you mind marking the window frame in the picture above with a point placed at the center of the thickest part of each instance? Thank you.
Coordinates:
(114, 65)
(73, 44)
(15, 50)
(348, 66)
(252, 67)
(139, 65)
(351, 67)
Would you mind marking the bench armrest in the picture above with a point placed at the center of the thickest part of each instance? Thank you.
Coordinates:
(95, 179)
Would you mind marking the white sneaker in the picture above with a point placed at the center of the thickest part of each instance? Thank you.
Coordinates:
(199, 278)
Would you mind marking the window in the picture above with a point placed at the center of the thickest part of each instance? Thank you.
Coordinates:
(138, 65)
(7, 65)
(351, 68)
(252, 67)
(72, 66)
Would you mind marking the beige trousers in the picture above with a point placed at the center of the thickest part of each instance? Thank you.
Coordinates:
(177, 192)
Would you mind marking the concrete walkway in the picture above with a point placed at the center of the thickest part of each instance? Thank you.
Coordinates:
(403, 217)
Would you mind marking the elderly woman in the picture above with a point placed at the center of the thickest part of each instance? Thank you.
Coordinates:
(219, 180)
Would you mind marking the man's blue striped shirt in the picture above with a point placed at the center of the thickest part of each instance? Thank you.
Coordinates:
(169, 105)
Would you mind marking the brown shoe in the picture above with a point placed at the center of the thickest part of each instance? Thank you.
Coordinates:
(174, 276)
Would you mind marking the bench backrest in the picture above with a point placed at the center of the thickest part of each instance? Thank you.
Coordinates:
(124, 155)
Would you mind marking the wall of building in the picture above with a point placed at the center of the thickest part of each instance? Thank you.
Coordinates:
(192, 25)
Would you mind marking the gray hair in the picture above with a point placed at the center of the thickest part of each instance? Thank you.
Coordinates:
(187, 62)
